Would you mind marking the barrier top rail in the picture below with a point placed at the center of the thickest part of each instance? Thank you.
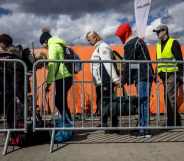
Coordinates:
(107, 61)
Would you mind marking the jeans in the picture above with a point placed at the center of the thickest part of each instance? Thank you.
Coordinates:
(143, 90)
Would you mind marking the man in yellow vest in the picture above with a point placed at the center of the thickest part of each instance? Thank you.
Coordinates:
(169, 50)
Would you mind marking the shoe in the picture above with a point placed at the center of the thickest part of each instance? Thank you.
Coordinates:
(147, 136)
(99, 125)
(134, 132)
(143, 135)
(108, 131)
(112, 131)
(118, 132)
(140, 135)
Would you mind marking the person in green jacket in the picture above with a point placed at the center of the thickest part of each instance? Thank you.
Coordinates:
(57, 72)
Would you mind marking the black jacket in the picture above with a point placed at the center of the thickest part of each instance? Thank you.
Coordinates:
(136, 49)
(11, 70)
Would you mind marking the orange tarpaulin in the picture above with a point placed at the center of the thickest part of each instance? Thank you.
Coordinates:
(82, 93)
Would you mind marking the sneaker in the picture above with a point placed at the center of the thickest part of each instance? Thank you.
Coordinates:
(99, 125)
(112, 132)
(148, 136)
(143, 135)
(140, 135)
(108, 131)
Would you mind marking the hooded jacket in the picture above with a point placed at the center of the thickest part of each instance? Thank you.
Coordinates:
(134, 49)
(56, 71)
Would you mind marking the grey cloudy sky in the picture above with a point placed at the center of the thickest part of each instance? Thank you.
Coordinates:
(78, 7)
(70, 19)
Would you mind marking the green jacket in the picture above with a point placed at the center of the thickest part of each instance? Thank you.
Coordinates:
(56, 71)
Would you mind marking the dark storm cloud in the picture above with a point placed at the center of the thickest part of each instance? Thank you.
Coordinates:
(2, 1)
(77, 8)
(53, 12)
(71, 7)
(164, 3)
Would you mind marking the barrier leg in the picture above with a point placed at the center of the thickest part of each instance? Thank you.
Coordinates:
(6, 143)
(52, 141)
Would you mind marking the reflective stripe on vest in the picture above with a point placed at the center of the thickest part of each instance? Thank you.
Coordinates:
(166, 55)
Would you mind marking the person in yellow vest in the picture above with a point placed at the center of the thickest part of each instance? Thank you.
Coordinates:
(57, 73)
(169, 50)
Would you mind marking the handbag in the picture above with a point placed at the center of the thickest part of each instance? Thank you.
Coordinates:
(126, 104)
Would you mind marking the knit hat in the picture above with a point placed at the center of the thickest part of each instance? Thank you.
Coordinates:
(123, 32)
(6, 39)
(45, 36)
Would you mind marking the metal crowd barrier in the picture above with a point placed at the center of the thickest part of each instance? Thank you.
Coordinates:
(129, 102)
(13, 102)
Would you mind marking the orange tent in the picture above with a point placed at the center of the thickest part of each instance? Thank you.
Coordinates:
(82, 96)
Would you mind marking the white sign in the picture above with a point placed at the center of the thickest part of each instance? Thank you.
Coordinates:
(142, 8)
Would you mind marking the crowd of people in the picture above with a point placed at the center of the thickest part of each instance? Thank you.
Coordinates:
(106, 77)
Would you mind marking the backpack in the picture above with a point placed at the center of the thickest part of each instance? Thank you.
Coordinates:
(69, 54)
(119, 67)
(29, 138)
(28, 58)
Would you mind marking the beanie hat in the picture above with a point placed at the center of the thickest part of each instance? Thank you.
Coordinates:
(6, 39)
(45, 36)
(123, 32)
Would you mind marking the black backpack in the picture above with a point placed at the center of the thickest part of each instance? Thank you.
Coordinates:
(118, 66)
(69, 54)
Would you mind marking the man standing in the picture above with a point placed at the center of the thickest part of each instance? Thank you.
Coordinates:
(169, 49)
(57, 72)
(105, 77)
(139, 74)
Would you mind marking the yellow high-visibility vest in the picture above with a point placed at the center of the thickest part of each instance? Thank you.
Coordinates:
(166, 55)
